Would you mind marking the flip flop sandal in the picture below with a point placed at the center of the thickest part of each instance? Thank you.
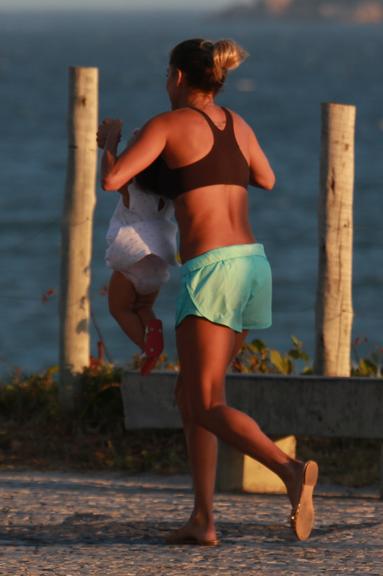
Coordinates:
(302, 517)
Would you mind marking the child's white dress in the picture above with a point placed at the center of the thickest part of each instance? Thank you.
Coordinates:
(142, 239)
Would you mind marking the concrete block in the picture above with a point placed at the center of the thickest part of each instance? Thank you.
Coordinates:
(257, 478)
(240, 473)
(149, 401)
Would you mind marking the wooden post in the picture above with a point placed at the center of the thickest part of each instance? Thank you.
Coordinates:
(334, 312)
(381, 472)
(77, 223)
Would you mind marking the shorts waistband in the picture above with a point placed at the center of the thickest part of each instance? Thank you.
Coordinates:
(223, 253)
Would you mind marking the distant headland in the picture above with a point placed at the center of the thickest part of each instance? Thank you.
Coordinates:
(354, 11)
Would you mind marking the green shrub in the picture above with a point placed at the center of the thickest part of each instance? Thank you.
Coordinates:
(98, 406)
(257, 358)
(35, 432)
(367, 363)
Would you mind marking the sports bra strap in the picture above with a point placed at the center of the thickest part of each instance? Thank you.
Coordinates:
(223, 164)
(229, 120)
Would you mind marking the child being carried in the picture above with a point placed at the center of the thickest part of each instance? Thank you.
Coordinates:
(141, 240)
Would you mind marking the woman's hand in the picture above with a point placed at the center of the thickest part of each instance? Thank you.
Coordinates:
(110, 128)
(138, 155)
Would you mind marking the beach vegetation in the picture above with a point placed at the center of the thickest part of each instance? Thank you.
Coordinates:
(34, 432)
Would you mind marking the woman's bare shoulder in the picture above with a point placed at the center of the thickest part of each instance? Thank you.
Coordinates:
(238, 119)
(158, 119)
(164, 119)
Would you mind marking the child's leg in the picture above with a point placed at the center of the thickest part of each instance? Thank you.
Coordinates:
(132, 311)
(144, 307)
(153, 337)
(123, 300)
(154, 342)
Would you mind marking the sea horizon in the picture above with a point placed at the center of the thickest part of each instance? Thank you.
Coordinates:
(292, 69)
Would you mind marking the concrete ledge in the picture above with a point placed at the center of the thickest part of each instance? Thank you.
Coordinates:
(282, 405)
(149, 401)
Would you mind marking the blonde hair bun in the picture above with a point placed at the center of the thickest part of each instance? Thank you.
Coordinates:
(206, 64)
(227, 55)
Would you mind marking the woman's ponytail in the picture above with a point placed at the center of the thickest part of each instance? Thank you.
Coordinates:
(206, 63)
(227, 55)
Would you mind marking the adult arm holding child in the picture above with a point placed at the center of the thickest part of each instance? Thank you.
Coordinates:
(147, 145)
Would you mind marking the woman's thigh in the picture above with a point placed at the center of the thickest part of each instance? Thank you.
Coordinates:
(205, 350)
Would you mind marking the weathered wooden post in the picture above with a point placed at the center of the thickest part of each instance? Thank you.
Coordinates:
(77, 223)
(334, 312)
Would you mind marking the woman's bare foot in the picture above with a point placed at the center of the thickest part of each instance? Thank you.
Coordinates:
(294, 482)
(195, 531)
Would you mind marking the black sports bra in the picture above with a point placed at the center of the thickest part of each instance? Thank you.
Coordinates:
(224, 164)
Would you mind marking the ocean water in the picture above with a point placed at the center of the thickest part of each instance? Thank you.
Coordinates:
(292, 69)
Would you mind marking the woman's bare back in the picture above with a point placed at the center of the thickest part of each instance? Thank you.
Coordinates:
(209, 216)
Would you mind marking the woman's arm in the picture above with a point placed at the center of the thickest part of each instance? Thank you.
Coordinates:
(261, 173)
(140, 153)
(108, 138)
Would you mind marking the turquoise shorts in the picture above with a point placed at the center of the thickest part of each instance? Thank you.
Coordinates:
(229, 286)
